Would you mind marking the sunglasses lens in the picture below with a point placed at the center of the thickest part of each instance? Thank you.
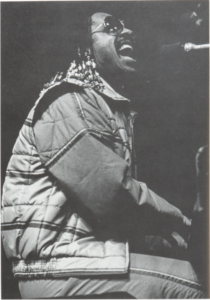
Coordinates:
(113, 25)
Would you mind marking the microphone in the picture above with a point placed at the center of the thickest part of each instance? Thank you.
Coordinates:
(178, 47)
(170, 49)
(190, 46)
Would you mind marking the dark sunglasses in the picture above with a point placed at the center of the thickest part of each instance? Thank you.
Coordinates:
(112, 26)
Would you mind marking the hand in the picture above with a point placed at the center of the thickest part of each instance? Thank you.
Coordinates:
(186, 221)
(184, 227)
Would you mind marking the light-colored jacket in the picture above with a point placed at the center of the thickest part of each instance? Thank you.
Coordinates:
(70, 197)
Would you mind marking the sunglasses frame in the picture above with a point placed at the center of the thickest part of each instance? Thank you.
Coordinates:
(105, 25)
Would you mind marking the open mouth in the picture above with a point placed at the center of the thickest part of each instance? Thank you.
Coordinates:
(125, 48)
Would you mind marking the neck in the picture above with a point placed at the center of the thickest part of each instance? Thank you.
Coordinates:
(119, 82)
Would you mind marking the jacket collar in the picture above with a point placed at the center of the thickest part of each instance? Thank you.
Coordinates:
(107, 89)
(111, 93)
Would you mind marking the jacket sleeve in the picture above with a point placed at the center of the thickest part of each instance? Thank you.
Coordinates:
(76, 151)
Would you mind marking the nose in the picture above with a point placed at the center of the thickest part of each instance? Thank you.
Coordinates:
(129, 34)
(126, 31)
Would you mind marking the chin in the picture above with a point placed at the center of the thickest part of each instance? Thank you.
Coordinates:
(129, 68)
(122, 69)
(128, 64)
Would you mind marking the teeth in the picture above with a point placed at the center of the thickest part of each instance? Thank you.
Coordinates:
(125, 47)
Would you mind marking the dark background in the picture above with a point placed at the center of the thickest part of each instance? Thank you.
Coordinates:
(170, 91)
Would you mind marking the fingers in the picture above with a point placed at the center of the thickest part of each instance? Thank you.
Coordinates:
(187, 221)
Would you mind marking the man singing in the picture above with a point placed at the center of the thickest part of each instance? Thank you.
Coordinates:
(76, 221)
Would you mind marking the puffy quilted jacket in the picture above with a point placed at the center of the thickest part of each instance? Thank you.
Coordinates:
(70, 200)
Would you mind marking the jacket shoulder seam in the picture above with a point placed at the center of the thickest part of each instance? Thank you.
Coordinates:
(70, 143)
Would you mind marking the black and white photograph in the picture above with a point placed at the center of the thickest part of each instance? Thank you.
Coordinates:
(104, 149)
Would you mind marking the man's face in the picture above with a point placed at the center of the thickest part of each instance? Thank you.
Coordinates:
(112, 53)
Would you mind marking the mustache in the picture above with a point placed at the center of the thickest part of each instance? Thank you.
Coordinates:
(129, 38)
